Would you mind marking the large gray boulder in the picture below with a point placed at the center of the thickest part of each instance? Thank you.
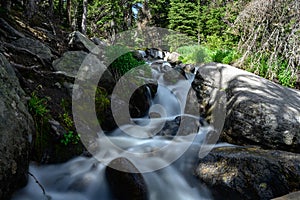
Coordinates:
(249, 173)
(36, 48)
(16, 129)
(78, 41)
(258, 111)
(70, 62)
(90, 65)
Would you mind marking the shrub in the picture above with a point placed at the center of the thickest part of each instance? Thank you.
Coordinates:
(124, 61)
(193, 54)
(37, 106)
(285, 75)
(224, 56)
(70, 138)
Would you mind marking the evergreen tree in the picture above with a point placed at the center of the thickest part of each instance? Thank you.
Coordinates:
(183, 16)
(159, 10)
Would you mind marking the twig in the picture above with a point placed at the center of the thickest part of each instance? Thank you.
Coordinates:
(43, 189)
(24, 67)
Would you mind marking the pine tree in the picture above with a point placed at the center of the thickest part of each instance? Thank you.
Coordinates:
(183, 16)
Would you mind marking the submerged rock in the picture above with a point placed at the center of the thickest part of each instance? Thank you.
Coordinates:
(16, 129)
(250, 173)
(125, 185)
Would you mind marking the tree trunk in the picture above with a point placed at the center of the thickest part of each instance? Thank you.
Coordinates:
(84, 16)
(51, 6)
(60, 7)
(30, 8)
(69, 12)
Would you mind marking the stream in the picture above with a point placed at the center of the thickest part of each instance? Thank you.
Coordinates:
(83, 178)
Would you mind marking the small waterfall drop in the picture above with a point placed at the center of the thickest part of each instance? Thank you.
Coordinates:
(83, 178)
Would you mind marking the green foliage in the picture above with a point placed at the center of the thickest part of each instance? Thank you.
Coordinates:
(40, 113)
(38, 106)
(183, 16)
(285, 76)
(193, 54)
(124, 60)
(224, 56)
(270, 70)
(199, 54)
(101, 99)
(102, 102)
(65, 117)
(159, 10)
(70, 138)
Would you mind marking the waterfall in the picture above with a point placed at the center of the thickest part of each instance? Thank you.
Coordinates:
(83, 178)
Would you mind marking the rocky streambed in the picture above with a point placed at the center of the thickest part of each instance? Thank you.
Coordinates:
(242, 131)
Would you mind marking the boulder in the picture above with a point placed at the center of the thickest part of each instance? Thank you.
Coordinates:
(16, 129)
(36, 48)
(125, 185)
(258, 111)
(291, 196)
(172, 58)
(78, 41)
(72, 61)
(249, 172)
(99, 42)
(8, 29)
(154, 53)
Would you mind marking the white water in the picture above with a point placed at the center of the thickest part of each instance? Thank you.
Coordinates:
(83, 178)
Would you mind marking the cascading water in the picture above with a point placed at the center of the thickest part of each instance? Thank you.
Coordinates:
(84, 178)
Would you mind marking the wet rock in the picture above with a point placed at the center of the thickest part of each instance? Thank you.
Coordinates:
(125, 185)
(154, 53)
(172, 58)
(180, 126)
(78, 41)
(36, 47)
(249, 173)
(258, 111)
(16, 129)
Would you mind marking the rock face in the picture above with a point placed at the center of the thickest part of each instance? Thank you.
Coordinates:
(125, 185)
(258, 111)
(16, 127)
(250, 173)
